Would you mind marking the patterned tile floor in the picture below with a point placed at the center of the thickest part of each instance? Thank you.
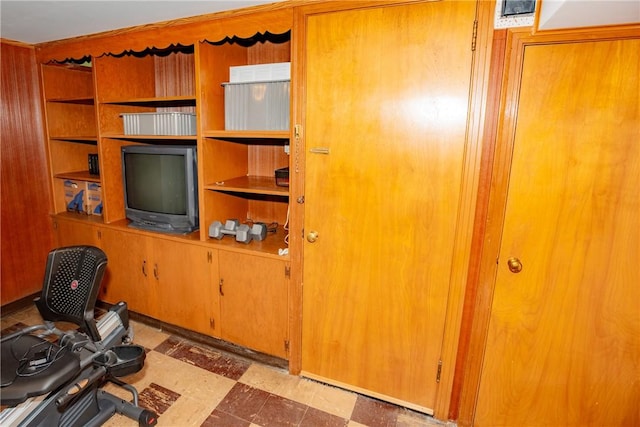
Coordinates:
(190, 384)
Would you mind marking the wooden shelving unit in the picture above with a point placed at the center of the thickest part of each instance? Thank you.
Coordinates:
(69, 105)
(237, 166)
(235, 175)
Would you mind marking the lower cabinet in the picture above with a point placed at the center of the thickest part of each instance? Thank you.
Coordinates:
(164, 279)
(129, 275)
(183, 274)
(254, 302)
(237, 297)
(71, 233)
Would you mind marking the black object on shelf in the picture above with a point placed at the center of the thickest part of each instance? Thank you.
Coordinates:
(282, 177)
(94, 167)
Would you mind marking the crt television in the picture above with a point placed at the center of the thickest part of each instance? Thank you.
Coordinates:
(161, 187)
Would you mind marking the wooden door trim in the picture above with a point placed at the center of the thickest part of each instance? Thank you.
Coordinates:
(479, 86)
(482, 201)
(480, 307)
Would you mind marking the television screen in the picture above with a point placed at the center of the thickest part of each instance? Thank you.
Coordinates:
(161, 187)
(157, 182)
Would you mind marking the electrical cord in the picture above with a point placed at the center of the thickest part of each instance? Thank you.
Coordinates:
(273, 227)
(39, 361)
(286, 228)
(34, 361)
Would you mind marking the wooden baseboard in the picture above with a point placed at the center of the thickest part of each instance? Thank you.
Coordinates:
(18, 305)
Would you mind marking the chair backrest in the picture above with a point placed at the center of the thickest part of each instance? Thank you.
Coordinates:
(72, 279)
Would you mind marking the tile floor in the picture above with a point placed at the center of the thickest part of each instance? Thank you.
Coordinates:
(189, 384)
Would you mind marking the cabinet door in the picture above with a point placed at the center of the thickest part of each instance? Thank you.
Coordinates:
(386, 108)
(253, 302)
(183, 274)
(129, 271)
(564, 334)
(70, 233)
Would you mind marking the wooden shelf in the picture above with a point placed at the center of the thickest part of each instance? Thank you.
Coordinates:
(269, 246)
(267, 136)
(81, 139)
(75, 216)
(168, 101)
(123, 224)
(79, 100)
(78, 176)
(152, 137)
(250, 185)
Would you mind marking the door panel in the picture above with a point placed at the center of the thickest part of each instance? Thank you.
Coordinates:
(129, 271)
(254, 302)
(184, 273)
(70, 233)
(386, 106)
(563, 346)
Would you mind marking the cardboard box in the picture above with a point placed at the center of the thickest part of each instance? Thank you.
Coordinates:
(74, 195)
(94, 198)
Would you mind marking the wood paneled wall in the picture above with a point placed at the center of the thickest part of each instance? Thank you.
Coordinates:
(26, 232)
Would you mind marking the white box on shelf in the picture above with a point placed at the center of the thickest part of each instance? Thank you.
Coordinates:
(169, 123)
(260, 72)
(257, 105)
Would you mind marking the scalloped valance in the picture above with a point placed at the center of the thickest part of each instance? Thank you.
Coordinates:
(271, 22)
(173, 48)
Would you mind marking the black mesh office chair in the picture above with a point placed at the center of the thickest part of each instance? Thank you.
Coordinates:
(54, 377)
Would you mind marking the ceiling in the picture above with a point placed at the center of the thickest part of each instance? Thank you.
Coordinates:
(38, 21)
(559, 14)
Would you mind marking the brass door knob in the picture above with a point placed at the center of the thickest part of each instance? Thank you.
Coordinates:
(312, 236)
(514, 264)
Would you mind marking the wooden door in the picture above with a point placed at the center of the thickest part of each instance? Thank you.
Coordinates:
(254, 302)
(386, 110)
(563, 345)
(183, 275)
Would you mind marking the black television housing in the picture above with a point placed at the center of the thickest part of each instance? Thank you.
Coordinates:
(161, 187)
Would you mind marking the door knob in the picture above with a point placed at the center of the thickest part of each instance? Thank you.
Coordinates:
(312, 236)
(514, 264)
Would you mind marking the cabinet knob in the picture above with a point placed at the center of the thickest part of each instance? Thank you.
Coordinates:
(514, 264)
(312, 236)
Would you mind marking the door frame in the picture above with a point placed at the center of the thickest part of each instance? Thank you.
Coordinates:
(493, 196)
(479, 88)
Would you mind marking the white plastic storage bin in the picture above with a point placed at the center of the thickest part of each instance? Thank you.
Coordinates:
(257, 105)
(260, 72)
(172, 123)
